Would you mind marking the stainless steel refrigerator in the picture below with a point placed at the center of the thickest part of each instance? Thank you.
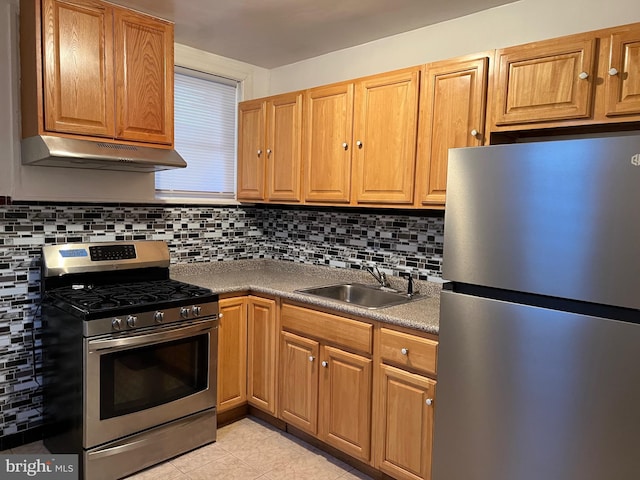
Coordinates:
(539, 356)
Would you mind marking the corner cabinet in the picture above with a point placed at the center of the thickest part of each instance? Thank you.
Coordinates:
(452, 114)
(622, 77)
(117, 86)
(269, 148)
(232, 353)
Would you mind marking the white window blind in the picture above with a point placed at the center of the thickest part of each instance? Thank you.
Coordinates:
(205, 135)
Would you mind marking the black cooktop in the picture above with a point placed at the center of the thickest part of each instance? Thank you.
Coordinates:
(97, 301)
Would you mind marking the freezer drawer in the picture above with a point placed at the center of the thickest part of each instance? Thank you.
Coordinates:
(529, 393)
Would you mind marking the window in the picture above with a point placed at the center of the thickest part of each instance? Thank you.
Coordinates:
(205, 136)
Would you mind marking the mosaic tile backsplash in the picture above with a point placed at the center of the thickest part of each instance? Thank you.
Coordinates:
(398, 243)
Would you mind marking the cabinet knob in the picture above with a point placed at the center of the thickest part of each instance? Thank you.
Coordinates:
(404, 351)
(220, 315)
(429, 401)
(259, 152)
(359, 144)
(583, 76)
(325, 364)
(345, 145)
(268, 152)
(311, 358)
(474, 133)
(613, 71)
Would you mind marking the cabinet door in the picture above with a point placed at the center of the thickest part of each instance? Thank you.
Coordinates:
(261, 354)
(77, 42)
(345, 402)
(385, 129)
(328, 124)
(452, 113)
(251, 150)
(144, 78)
(545, 81)
(623, 85)
(405, 424)
(232, 354)
(284, 138)
(299, 381)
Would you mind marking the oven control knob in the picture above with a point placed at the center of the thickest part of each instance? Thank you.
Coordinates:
(131, 320)
(116, 324)
(196, 310)
(184, 312)
(159, 316)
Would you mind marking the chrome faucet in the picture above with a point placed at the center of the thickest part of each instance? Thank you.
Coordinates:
(380, 277)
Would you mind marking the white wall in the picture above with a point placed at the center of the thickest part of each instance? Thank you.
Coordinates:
(69, 184)
(513, 24)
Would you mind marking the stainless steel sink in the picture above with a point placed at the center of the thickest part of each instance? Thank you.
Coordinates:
(367, 296)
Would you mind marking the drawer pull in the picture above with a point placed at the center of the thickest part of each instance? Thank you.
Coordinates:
(404, 351)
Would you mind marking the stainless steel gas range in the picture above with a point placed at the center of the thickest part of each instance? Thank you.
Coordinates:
(130, 357)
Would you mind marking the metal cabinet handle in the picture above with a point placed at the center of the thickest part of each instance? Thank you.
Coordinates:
(404, 351)
(359, 144)
(613, 71)
(345, 145)
(325, 364)
(311, 358)
(259, 152)
(583, 76)
(268, 152)
(429, 401)
(220, 315)
(474, 133)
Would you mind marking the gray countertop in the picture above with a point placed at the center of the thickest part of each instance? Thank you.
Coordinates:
(282, 279)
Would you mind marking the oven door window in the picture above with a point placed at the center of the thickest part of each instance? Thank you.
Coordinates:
(140, 378)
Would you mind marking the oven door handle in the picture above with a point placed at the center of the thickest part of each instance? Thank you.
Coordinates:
(115, 344)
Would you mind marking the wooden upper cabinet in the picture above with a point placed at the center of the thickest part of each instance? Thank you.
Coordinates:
(144, 77)
(284, 149)
(622, 77)
(269, 148)
(251, 150)
(77, 43)
(93, 69)
(327, 132)
(384, 137)
(452, 114)
(545, 81)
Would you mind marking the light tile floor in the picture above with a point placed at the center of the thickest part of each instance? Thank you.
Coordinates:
(245, 450)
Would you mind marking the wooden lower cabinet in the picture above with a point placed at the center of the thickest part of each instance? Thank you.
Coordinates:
(299, 381)
(405, 424)
(262, 343)
(345, 401)
(232, 353)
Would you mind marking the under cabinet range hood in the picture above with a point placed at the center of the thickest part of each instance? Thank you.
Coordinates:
(47, 150)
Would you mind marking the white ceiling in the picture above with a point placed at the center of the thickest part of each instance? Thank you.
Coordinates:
(272, 33)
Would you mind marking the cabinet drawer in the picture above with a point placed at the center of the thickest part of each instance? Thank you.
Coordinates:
(338, 331)
(419, 353)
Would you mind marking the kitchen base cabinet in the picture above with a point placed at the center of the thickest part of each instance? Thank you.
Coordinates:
(405, 399)
(262, 347)
(299, 381)
(406, 424)
(232, 353)
(325, 390)
(345, 401)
